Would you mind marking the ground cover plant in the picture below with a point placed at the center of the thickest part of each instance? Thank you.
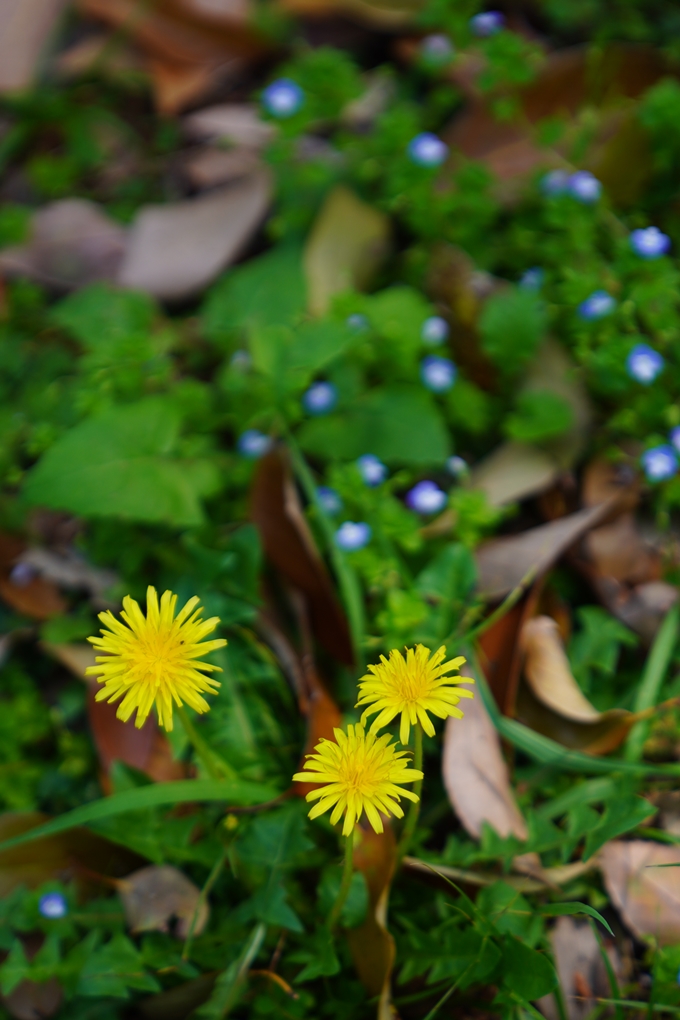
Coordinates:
(340, 372)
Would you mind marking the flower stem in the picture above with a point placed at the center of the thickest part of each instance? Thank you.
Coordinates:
(414, 807)
(347, 870)
(212, 762)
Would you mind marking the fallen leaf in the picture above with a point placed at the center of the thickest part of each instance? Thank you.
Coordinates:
(23, 590)
(177, 85)
(580, 967)
(237, 123)
(549, 878)
(647, 896)
(620, 551)
(347, 244)
(371, 944)
(72, 243)
(500, 655)
(25, 29)
(288, 542)
(362, 113)
(110, 56)
(514, 471)
(153, 896)
(175, 250)
(552, 703)
(641, 608)
(69, 569)
(179, 1002)
(31, 1001)
(503, 562)
(476, 776)
(209, 167)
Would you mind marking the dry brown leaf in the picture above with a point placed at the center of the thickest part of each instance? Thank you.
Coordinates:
(177, 85)
(371, 944)
(237, 123)
(476, 776)
(580, 967)
(647, 896)
(347, 244)
(30, 1001)
(500, 655)
(69, 570)
(25, 28)
(102, 50)
(72, 243)
(548, 878)
(620, 551)
(153, 896)
(176, 250)
(75, 657)
(642, 608)
(24, 591)
(208, 168)
(514, 471)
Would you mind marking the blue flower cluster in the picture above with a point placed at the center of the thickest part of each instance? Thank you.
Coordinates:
(581, 185)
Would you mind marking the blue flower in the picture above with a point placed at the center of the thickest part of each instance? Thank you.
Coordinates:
(371, 469)
(659, 463)
(320, 398)
(532, 279)
(434, 331)
(352, 535)
(674, 437)
(438, 374)
(555, 183)
(436, 49)
(283, 98)
(22, 574)
(457, 467)
(487, 23)
(329, 499)
(644, 364)
(53, 906)
(253, 444)
(357, 322)
(427, 150)
(241, 360)
(649, 243)
(585, 186)
(426, 498)
(599, 304)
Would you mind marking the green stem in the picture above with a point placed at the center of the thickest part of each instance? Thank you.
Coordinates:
(347, 579)
(414, 807)
(205, 892)
(343, 891)
(499, 612)
(213, 763)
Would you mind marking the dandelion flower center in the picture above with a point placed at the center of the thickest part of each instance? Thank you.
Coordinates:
(152, 659)
(360, 772)
(411, 686)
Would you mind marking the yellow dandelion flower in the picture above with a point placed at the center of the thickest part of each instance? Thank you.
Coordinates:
(362, 772)
(413, 686)
(153, 658)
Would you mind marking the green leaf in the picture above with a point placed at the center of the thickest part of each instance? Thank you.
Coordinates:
(562, 909)
(511, 324)
(400, 424)
(230, 791)
(527, 972)
(538, 415)
(655, 670)
(113, 969)
(119, 463)
(321, 962)
(621, 815)
(231, 982)
(292, 357)
(15, 968)
(99, 316)
(450, 575)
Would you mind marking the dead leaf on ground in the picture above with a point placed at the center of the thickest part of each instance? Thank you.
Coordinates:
(641, 608)
(208, 168)
(371, 944)
(23, 590)
(239, 124)
(153, 896)
(547, 878)
(476, 777)
(103, 52)
(31, 1001)
(346, 246)
(514, 471)
(580, 967)
(174, 251)
(500, 655)
(25, 29)
(69, 569)
(620, 551)
(551, 702)
(647, 896)
(72, 243)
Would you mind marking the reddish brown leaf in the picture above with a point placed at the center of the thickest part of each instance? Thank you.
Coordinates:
(500, 655)
(25, 591)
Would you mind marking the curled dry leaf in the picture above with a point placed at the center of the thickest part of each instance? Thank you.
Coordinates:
(500, 655)
(346, 246)
(153, 896)
(581, 969)
(25, 29)
(28, 594)
(72, 243)
(175, 250)
(646, 893)
(552, 703)
(236, 123)
(476, 776)
(209, 167)
(371, 944)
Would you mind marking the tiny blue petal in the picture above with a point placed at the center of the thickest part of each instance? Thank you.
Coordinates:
(649, 243)
(283, 98)
(555, 183)
(352, 535)
(22, 574)
(329, 499)
(241, 360)
(487, 23)
(426, 498)
(436, 49)
(457, 467)
(660, 463)
(532, 279)
(357, 322)
(320, 398)
(599, 304)
(644, 364)
(253, 444)
(434, 331)
(427, 150)
(438, 374)
(53, 906)
(585, 186)
(371, 469)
